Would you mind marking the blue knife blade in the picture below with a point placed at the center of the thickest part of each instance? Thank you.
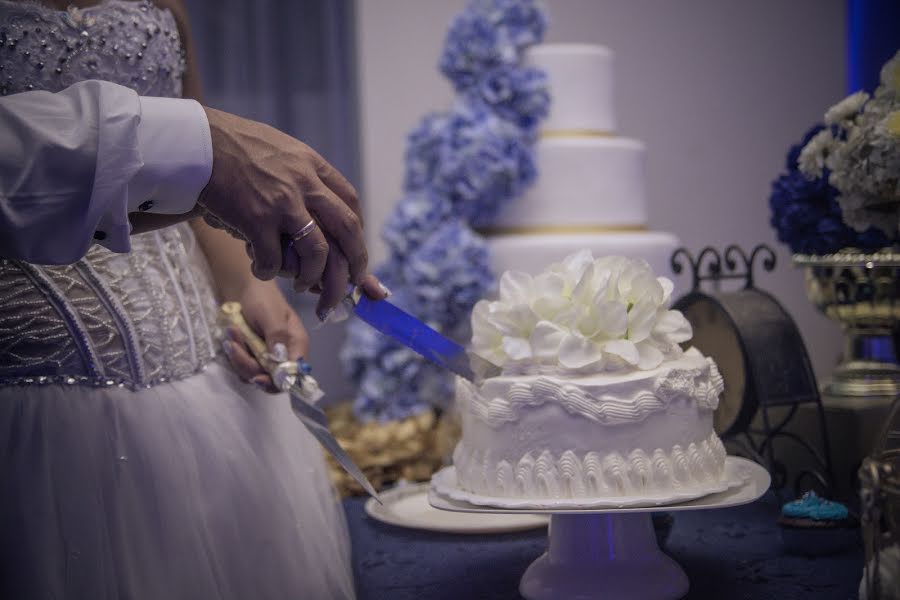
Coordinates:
(416, 335)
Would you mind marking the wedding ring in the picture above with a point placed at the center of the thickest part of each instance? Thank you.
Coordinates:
(304, 231)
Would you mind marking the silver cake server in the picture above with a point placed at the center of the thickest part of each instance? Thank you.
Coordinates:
(414, 334)
(303, 390)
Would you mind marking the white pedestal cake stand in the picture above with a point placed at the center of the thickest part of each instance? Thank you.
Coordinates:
(610, 552)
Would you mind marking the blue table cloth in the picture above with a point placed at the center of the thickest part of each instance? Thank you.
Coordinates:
(728, 554)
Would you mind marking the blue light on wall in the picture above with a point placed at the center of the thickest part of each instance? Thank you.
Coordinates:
(873, 36)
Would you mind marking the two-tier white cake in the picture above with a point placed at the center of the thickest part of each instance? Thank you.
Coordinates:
(590, 192)
(596, 398)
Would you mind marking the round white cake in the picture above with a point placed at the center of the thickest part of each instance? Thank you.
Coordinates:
(590, 191)
(596, 398)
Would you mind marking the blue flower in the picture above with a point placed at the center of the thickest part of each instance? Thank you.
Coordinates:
(484, 162)
(423, 146)
(448, 274)
(807, 216)
(487, 35)
(418, 215)
(401, 384)
(462, 166)
(519, 95)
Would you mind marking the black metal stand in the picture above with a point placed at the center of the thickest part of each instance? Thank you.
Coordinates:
(763, 323)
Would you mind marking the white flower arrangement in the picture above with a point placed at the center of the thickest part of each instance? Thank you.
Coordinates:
(861, 153)
(582, 315)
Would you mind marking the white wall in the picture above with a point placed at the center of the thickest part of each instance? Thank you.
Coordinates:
(716, 89)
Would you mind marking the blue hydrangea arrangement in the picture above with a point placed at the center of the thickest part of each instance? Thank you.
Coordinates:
(462, 167)
(806, 213)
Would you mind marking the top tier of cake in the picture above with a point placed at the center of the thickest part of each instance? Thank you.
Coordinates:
(581, 81)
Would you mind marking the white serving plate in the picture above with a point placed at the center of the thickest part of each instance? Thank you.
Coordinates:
(742, 478)
(407, 505)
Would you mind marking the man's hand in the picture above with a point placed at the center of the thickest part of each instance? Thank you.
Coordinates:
(266, 186)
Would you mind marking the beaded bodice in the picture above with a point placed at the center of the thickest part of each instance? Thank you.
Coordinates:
(134, 44)
(132, 319)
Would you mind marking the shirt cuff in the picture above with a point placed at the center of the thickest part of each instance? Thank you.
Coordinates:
(176, 148)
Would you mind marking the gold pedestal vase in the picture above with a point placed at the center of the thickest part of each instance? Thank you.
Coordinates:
(860, 290)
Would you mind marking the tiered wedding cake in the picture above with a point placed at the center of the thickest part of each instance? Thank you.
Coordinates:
(590, 189)
(596, 398)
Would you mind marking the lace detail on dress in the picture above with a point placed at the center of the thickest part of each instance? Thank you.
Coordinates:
(134, 44)
(132, 320)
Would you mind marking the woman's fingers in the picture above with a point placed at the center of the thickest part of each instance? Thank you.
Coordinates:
(241, 359)
(373, 288)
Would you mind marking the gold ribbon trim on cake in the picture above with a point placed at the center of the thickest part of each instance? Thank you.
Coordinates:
(564, 229)
(577, 133)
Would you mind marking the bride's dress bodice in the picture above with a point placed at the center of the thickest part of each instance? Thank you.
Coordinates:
(132, 319)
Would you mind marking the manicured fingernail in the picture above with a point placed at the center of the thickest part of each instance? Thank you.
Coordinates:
(324, 314)
(260, 383)
(279, 352)
(304, 366)
(385, 289)
(228, 348)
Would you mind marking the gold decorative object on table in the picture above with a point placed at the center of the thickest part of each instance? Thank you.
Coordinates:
(411, 449)
(861, 291)
(880, 504)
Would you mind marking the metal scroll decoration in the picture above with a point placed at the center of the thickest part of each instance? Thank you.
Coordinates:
(778, 373)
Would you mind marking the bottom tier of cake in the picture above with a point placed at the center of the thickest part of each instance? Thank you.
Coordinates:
(570, 475)
(532, 252)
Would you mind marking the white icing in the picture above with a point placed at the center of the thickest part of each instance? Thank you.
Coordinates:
(573, 474)
(584, 181)
(581, 315)
(581, 86)
(606, 399)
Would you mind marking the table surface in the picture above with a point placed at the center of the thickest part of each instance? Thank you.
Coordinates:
(733, 553)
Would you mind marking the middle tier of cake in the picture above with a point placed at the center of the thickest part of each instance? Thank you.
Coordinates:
(583, 181)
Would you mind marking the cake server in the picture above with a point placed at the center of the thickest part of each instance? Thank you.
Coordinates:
(414, 334)
(302, 388)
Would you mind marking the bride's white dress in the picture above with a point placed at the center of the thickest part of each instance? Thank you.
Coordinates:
(133, 463)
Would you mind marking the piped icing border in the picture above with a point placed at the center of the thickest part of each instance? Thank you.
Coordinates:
(542, 475)
(702, 385)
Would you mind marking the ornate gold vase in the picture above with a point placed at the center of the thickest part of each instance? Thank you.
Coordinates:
(862, 292)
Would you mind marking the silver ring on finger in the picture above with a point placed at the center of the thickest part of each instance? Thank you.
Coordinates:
(304, 231)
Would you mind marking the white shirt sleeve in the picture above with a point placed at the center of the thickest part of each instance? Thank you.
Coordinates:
(73, 164)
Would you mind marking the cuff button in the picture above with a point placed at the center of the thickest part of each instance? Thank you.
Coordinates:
(99, 235)
(145, 206)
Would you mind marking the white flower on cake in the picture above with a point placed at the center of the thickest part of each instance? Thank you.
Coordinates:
(581, 315)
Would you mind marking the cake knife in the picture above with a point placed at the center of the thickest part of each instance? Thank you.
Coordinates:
(303, 390)
(416, 335)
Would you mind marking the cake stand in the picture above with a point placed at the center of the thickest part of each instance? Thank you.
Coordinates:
(606, 552)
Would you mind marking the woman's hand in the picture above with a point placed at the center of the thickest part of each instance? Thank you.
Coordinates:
(272, 318)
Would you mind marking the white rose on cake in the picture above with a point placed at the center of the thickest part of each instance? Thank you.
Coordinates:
(581, 315)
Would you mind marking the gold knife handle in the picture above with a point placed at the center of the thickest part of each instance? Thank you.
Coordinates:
(230, 315)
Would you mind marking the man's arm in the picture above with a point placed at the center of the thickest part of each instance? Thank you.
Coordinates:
(74, 164)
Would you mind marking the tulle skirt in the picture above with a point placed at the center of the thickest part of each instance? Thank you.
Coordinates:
(199, 489)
